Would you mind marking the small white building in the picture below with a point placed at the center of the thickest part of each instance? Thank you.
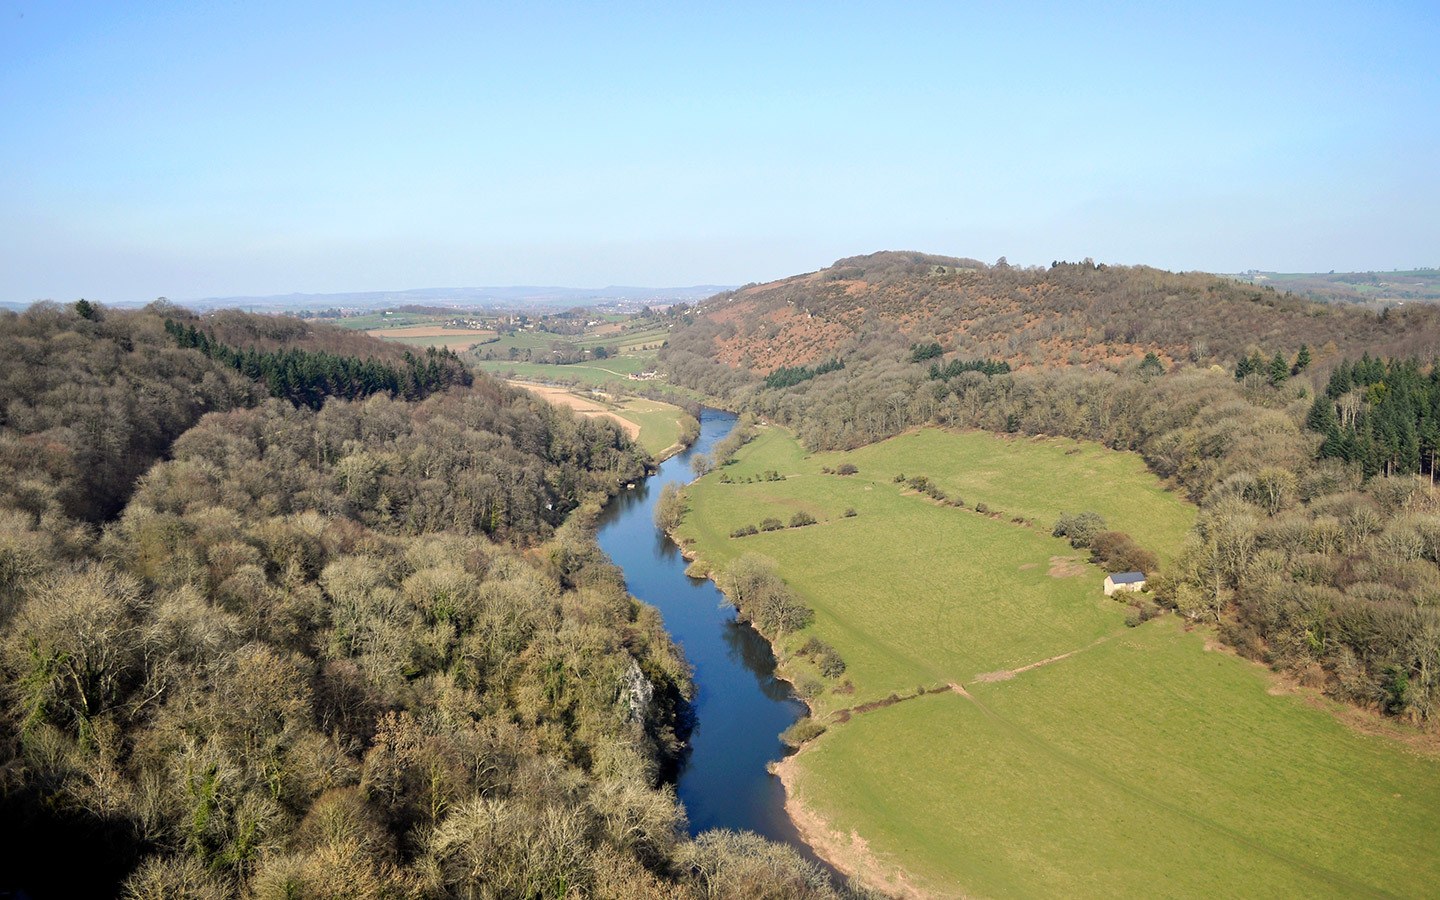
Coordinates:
(1124, 581)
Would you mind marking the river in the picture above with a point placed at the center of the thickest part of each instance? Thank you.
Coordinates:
(740, 707)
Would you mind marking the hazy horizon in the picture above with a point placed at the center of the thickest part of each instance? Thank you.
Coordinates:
(269, 149)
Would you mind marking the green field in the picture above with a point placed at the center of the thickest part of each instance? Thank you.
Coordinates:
(1037, 478)
(1143, 767)
(659, 422)
(390, 319)
(1138, 764)
(591, 373)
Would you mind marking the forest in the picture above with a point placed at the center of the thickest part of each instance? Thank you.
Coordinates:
(261, 646)
(1317, 549)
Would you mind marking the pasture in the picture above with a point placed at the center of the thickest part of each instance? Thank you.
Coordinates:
(1079, 757)
(457, 339)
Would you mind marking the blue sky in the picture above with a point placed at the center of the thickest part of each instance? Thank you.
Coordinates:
(201, 149)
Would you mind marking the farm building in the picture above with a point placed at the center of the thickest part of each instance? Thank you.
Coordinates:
(1124, 581)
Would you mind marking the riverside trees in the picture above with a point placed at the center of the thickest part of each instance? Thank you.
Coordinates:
(360, 651)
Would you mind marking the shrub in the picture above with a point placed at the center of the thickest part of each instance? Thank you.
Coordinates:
(846, 469)
(1118, 552)
(801, 519)
(1080, 528)
(850, 512)
(806, 729)
(771, 524)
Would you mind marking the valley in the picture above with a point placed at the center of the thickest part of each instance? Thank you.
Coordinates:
(1143, 755)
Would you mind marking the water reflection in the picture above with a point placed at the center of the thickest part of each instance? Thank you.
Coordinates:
(740, 707)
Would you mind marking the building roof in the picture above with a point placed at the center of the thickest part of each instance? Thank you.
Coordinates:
(1127, 577)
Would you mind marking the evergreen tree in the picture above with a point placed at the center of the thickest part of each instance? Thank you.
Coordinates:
(1279, 369)
(1302, 360)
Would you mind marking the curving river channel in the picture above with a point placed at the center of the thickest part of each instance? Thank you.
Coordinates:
(740, 707)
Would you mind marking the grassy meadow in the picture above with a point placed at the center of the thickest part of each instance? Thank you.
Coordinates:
(1136, 764)
(659, 422)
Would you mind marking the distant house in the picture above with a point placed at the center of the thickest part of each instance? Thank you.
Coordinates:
(1124, 581)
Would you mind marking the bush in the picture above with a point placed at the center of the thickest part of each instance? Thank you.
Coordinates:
(850, 512)
(771, 524)
(1118, 552)
(846, 469)
(806, 729)
(1080, 528)
(827, 658)
(801, 519)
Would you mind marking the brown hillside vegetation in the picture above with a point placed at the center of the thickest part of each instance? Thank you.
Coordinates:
(1067, 314)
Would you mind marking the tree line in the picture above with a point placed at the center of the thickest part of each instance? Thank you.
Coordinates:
(785, 376)
(307, 378)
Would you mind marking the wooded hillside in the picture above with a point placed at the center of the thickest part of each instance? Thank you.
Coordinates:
(254, 648)
(1069, 314)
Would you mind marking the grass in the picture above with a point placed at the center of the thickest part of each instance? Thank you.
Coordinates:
(591, 373)
(457, 342)
(909, 591)
(1145, 766)
(1140, 764)
(1038, 478)
(659, 422)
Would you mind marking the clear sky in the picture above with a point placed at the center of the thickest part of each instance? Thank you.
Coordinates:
(198, 149)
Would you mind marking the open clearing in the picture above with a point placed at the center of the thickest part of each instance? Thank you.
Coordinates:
(457, 339)
(1134, 762)
(655, 425)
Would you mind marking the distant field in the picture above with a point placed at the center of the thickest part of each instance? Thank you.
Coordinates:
(457, 339)
(1130, 762)
(655, 425)
(1413, 285)
(593, 373)
(386, 320)
(628, 341)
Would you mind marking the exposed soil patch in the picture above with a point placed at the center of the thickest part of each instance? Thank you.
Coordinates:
(562, 397)
(1066, 567)
(1007, 674)
(844, 715)
(850, 853)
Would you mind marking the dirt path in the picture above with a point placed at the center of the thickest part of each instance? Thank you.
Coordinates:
(562, 397)
(1007, 674)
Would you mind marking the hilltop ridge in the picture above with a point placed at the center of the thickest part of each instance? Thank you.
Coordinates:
(1067, 314)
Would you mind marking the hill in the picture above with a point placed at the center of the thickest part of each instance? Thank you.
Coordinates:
(1070, 314)
(292, 612)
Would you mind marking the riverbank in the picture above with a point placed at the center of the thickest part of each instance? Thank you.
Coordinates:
(1117, 755)
(740, 706)
(848, 854)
